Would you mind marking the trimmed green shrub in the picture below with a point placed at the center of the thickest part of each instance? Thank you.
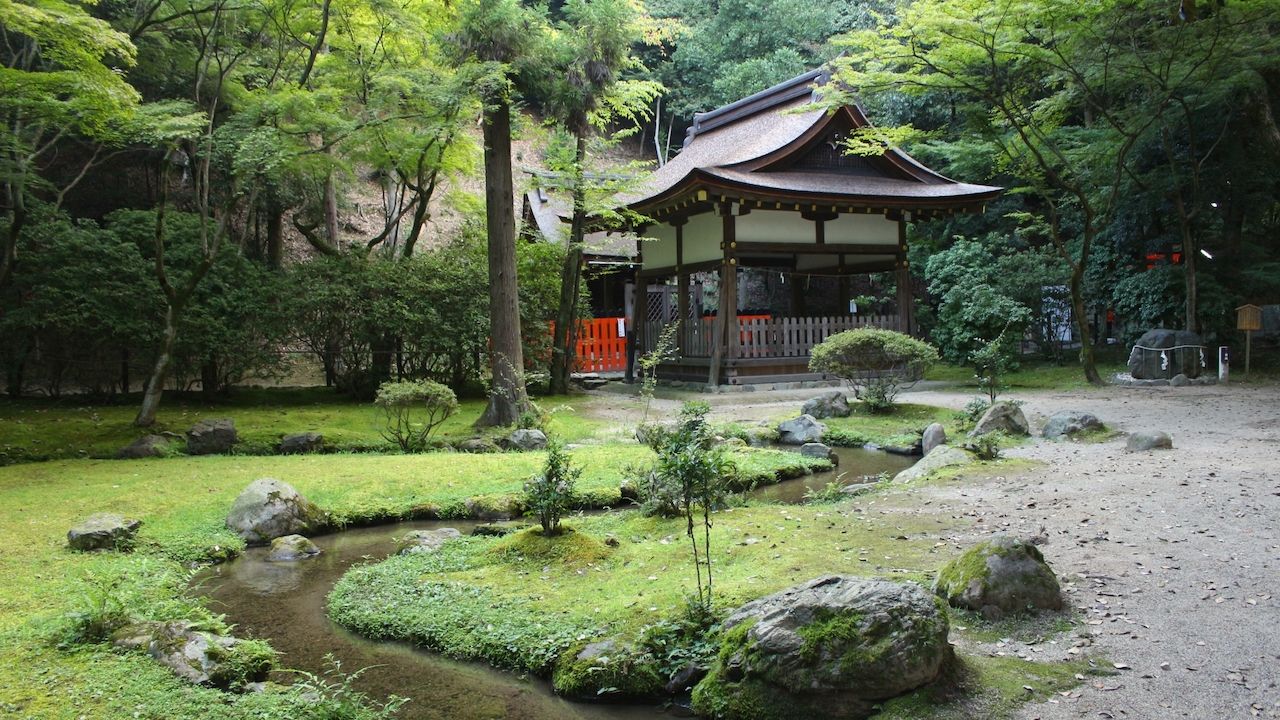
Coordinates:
(875, 363)
(413, 409)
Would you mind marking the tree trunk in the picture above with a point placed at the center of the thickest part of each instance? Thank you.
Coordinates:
(563, 341)
(209, 385)
(331, 211)
(275, 235)
(1087, 359)
(159, 372)
(507, 396)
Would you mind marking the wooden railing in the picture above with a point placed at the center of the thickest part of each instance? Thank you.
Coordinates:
(601, 346)
(765, 336)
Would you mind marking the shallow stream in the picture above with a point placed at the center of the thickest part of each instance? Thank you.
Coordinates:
(284, 603)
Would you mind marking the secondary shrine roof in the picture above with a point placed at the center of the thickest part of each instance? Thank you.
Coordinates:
(781, 145)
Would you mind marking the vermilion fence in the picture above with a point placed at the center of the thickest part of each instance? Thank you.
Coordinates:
(602, 345)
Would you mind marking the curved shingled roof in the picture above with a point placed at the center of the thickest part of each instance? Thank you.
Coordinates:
(750, 149)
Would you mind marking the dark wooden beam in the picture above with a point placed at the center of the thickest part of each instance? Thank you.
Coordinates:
(816, 249)
(676, 270)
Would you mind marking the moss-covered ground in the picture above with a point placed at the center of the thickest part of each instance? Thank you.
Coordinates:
(42, 429)
(621, 574)
(182, 502)
(901, 427)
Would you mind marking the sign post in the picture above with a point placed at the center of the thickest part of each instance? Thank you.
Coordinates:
(1248, 319)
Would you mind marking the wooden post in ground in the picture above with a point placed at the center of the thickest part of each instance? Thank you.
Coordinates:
(902, 269)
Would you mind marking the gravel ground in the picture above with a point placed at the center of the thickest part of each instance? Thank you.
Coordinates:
(1172, 556)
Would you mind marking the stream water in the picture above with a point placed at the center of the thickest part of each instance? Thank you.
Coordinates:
(284, 603)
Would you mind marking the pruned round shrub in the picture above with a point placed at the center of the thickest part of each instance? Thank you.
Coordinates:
(413, 409)
(876, 363)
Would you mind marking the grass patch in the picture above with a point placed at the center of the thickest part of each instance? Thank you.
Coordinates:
(182, 503)
(985, 687)
(1034, 374)
(757, 549)
(33, 429)
(902, 426)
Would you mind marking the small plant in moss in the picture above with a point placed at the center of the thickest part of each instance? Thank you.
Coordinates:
(413, 409)
(689, 460)
(553, 493)
(992, 361)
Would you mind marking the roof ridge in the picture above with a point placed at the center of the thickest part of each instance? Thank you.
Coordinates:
(767, 99)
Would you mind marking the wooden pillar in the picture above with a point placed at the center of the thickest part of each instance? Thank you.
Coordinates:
(682, 289)
(843, 290)
(640, 313)
(726, 322)
(906, 300)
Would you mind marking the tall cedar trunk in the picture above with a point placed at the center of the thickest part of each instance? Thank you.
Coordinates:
(507, 396)
(275, 235)
(1189, 251)
(209, 385)
(152, 393)
(564, 339)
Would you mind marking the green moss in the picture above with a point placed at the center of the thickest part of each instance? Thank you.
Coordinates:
(616, 674)
(901, 427)
(984, 687)
(716, 697)
(244, 662)
(956, 576)
(532, 546)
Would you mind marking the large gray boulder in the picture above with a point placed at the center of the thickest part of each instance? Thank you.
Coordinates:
(426, 541)
(204, 658)
(1002, 575)
(933, 436)
(211, 437)
(269, 509)
(828, 404)
(943, 456)
(147, 446)
(801, 430)
(1069, 424)
(831, 647)
(292, 547)
(301, 443)
(525, 440)
(103, 531)
(1002, 416)
(1162, 361)
(1148, 440)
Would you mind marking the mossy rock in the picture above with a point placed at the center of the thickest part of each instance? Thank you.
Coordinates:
(832, 647)
(1002, 575)
(567, 547)
(607, 670)
(717, 697)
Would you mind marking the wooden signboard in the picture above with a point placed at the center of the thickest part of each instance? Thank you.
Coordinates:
(1248, 317)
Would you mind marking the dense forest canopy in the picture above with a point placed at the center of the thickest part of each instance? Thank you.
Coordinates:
(194, 187)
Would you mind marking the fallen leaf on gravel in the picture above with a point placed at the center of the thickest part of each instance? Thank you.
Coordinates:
(1120, 666)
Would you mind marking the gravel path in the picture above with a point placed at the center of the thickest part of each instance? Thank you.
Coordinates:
(1173, 556)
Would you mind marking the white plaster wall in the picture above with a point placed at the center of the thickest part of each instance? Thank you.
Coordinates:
(861, 230)
(658, 246)
(774, 226)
